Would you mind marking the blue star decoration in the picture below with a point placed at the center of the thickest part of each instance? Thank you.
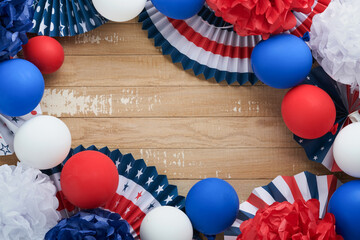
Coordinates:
(5, 149)
(125, 187)
(150, 206)
(14, 119)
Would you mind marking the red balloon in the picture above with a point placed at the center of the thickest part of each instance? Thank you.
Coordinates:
(89, 179)
(44, 52)
(308, 111)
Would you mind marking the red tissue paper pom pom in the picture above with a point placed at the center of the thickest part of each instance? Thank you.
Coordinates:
(286, 221)
(260, 17)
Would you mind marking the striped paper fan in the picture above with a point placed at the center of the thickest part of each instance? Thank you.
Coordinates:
(346, 102)
(140, 189)
(8, 126)
(208, 45)
(60, 18)
(303, 186)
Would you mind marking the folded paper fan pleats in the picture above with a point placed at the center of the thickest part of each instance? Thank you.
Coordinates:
(140, 189)
(59, 18)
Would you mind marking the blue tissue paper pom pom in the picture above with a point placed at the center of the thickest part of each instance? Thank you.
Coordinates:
(15, 20)
(96, 224)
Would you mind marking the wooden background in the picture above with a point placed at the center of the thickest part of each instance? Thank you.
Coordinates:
(116, 89)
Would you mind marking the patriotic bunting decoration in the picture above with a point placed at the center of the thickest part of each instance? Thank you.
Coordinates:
(303, 186)
(9, 126)
(65, 17)
(140, 189)
(346, 102)
(210, 46)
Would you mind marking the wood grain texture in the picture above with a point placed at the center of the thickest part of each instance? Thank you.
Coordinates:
(206, 132)
(210, 101)
(115, 89)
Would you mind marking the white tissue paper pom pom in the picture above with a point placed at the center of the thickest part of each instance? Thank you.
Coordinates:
(27, 203)
(335, 38)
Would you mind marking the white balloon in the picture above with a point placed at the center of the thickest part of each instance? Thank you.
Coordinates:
(165, 223)
(119, 10)
(42, 142)
(346, 149)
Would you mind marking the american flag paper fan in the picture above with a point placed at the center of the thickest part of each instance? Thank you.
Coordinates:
(346, 102)
(208, 45)
(8, 127)
(60, 18)
(140, 189)
(303, 186)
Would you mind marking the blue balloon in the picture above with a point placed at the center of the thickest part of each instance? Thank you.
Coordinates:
(21, 87)
(282, 61)
(178, 9)
(345, 205)
(212, 205)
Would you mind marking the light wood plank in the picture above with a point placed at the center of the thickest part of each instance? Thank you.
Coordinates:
(162, 101)
(156, 70)
(110, 39)
(215, 132)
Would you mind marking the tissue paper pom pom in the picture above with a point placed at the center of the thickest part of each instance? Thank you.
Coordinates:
(285, 221)
(27, 203)
(15, 20)
(334, 40)
(91, 224)
(260, 17)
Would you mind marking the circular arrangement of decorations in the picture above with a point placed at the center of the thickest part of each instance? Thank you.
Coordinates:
(28, 203)
(103, 194)
(140, 188)
(282, 202)
(346, 102)
(65, 18)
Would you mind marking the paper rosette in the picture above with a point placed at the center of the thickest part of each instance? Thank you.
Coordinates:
(346, 102)
(8, 127)
(303, 186)
(208, 45)
(140, 189)
(59, 18)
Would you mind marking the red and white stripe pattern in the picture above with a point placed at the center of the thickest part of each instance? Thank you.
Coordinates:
(140, 189)
(303, 186)
(209, 46)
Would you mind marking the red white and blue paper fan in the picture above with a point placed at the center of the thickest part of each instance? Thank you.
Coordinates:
(346, 102)
(140, 189)
(59, 18)
(8, 127)
(208, 45)
(303, 186)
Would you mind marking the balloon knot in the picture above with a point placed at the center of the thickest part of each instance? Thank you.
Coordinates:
(334, 129)
(306, 37)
